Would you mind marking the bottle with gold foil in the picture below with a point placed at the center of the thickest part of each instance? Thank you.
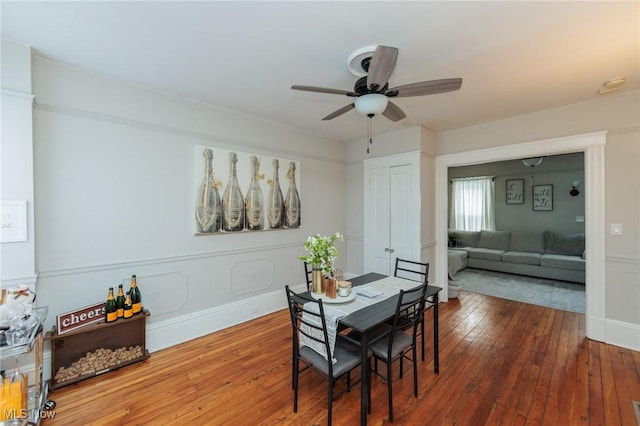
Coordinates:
(120, 301)
(254, 201)
(110, 309)
(134, 293)
(292, 202)
(232, 200)
(275, 210)
(208, 205)
(127, 311)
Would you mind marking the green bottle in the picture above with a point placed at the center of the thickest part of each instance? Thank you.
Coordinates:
(128, 309)
(110, 309)
(134, 292)
(120, 301)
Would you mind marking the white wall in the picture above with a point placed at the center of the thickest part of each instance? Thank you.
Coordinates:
(619, 115)
(114, 179)
(16, 156)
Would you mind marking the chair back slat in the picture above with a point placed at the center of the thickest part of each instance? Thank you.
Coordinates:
(409, 310)
(308, 274)
(411, 270)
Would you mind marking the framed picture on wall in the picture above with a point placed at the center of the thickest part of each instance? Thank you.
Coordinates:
(13, 221)
(515, 191)
(542, 197)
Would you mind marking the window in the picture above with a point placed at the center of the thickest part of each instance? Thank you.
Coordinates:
(472, 206)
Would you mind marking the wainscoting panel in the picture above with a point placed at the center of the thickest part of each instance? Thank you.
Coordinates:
(162, 293)
(249, 276)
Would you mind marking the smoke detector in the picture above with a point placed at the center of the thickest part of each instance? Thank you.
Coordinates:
(611, 85)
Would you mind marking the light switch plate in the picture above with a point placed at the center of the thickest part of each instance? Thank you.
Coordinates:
(579, 219)
(616, 229)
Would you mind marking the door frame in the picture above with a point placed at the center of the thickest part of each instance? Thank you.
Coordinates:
(592, 144)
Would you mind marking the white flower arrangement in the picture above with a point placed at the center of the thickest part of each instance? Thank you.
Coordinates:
(321, 252)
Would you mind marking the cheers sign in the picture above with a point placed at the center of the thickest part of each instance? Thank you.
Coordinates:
(83, 316)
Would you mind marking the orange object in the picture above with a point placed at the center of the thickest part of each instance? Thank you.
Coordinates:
(330, 288)
(13, 403)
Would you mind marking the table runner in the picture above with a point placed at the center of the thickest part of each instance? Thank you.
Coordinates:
(366, 295)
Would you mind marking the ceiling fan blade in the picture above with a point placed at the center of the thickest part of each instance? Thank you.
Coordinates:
(323, 90)
(341, 111)
(393, 112)
(382, 64)
(425, 88)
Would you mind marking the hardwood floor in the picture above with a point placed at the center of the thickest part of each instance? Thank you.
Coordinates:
(501, 362)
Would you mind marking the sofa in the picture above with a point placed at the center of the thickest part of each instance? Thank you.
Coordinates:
(547, 254)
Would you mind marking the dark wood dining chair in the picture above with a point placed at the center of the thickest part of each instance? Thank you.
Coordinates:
(419, 272)
(398, 345)
(307, 318)
(308, 275)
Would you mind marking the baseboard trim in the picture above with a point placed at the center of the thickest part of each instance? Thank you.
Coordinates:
(177, 330)
(623, 334)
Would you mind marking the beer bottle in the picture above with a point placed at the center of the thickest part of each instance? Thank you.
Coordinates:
(110, 310)
(134, 292)
(127, 309)
(120, 301)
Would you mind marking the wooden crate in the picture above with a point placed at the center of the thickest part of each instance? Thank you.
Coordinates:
(71, 346)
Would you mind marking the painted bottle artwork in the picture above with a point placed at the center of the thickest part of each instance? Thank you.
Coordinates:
(292, 202)
(254, 201)
(208, 204)
(232, 200)
(275, 211)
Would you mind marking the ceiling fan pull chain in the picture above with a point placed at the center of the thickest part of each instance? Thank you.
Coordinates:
(369, 126)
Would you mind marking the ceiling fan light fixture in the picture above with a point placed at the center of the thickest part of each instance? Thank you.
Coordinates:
(532, 162)
(373, 103)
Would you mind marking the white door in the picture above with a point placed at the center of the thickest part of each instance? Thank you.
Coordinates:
(390, 234)
(403, 230)
(378, 215)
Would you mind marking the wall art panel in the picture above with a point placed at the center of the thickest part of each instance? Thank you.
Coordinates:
(243, 192)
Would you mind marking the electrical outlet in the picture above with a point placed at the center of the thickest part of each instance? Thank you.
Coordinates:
(579, 219)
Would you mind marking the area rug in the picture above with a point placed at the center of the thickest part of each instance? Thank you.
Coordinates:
(538, 291)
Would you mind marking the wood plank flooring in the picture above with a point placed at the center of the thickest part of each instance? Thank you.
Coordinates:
(501, 363)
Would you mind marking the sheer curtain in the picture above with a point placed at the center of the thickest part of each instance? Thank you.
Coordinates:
(472, 202)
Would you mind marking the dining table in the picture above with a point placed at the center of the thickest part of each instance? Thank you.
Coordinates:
(367, 318)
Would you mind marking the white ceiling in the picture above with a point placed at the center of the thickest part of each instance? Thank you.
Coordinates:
(515, 57)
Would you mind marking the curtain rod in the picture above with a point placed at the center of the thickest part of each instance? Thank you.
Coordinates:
(473, 178)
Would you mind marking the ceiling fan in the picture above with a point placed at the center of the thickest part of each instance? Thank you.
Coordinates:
(372, 92)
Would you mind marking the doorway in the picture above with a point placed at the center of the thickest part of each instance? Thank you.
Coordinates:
(592, 145)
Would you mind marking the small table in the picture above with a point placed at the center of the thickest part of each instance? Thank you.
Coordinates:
(366, 319)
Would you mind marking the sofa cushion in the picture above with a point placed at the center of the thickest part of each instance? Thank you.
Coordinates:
(563, 261)
(497, 240)
(525, 258)
(467, 238)
(485, 253)
(559, 243)
(458, 252)
(526, 242)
